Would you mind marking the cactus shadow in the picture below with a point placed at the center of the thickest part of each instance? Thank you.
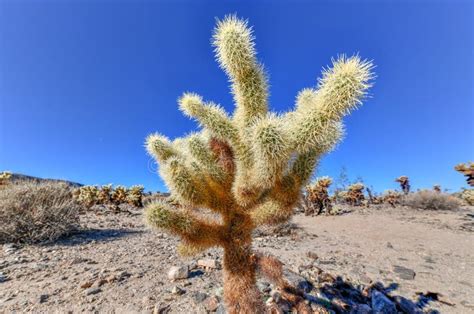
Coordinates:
(85, 236)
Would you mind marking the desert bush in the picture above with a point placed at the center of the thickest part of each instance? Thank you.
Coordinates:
(35, 212)
(249, 168)
(316, 198)
(431, 200)
(404, 184)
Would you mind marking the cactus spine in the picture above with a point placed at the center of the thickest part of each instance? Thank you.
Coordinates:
(249, 167)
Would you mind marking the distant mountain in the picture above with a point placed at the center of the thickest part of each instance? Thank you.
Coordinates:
(23, 177)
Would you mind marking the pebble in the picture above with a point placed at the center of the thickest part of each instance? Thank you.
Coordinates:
(3, 277)
(199, 297)
(92, 291)
(177, 290)
(211, 304)
(208, 263)
(178, 272)
(43, 298)
(9, 248)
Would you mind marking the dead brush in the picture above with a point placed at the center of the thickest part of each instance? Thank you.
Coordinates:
(37, 212)
(391, 197)
(431, 200)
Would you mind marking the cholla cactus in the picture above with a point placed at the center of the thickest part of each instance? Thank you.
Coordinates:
(354, 194)
(119, 195)
(391, 197)
(467, 170)
(404, 184)
(437, 188)
(5, 177)
(104, 195)
(317, 196)
(468, 196)
(249, 168)
(87, 195)
(135, 195)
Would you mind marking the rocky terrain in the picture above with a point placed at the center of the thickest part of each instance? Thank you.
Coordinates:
(376, 258)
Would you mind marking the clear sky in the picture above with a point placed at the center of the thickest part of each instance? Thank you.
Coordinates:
(83, 82)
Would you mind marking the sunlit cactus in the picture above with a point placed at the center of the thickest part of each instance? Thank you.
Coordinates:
(391, 197)
(468, 196)
(354, 194)
(467, 170)
(87, 195)
(5, 177)
(119, 195)
(104, 195)
(437, 188)
(249, 167)
(404, 183)
(317, 197)
(135, 195)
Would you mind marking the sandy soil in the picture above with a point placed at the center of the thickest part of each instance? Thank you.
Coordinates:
(118, 266)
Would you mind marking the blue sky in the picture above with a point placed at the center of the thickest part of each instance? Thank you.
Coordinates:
(83, 82)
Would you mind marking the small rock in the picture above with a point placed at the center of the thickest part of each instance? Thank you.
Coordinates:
(177, 272)
(382, 304)
(312, 255)
(92, 291)
(221, 309)
(297, 281)
(9, 248)
(100, 283)
(208, 263)
(404, 273)
(389, 245)
(199, 297)
(177, 290)
(161, 308)
(3, 277)
(211, 304)
(276, 296)
(43, 298)
(87, 284)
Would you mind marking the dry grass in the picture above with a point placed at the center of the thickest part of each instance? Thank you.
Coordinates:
(36, 212)
(431, 200)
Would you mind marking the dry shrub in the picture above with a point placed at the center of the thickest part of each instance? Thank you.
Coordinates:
(431, 200)
(36, 212)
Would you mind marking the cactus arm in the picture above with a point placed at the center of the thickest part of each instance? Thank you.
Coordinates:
(192, 230)
(160, 147)
(235, 52)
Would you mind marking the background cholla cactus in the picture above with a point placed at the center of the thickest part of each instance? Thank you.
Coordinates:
(87, 195)
(5, 177)
(391, 197)
(354, 194)
(135, 195)
(404, 183)
(467, 170)
(437, 188)
(249, 168)
(104, 195)
(468, 196)
(119, 195)
(317, 196)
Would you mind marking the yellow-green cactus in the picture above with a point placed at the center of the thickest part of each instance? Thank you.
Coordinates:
(119, 195)
(135, 195)
(249, 167)
(354, 194)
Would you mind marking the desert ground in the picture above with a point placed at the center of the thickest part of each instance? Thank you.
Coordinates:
(114, 264)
